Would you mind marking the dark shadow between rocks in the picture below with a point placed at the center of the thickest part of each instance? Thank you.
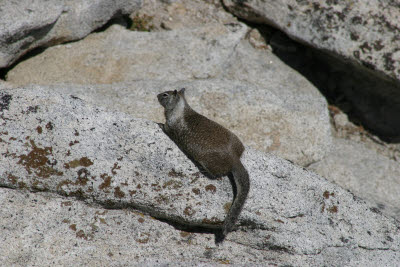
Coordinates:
(370, 100)
(32, 35)
(118, 19)
(28, 55)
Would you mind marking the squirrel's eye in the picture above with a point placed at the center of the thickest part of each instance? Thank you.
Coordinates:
(165, 95)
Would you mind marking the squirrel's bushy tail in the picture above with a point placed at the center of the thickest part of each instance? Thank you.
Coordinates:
(241, 179)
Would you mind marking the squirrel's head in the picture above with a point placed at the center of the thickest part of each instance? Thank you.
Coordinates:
(170, 99)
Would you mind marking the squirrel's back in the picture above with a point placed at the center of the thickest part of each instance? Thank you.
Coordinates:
(209, 143)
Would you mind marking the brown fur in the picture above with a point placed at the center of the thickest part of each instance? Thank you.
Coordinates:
(214, 147)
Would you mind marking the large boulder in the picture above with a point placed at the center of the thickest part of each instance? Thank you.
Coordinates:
(119, 54)
(366, 33)
(25, 25)
(249, 90)
(58, 144)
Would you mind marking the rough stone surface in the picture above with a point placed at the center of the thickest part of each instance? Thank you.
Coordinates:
(366, 33)
(25, 25)
(278, 123)
(57, 143)
(119, 54)
(249, 90)
(45, 229)
(180, 14)
(364, 172)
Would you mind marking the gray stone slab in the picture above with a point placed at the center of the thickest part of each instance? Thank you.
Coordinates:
(59, 144)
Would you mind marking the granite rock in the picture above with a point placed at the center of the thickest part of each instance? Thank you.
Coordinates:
(363, 171)
(366, 33)
(25, 25)
(59, 144)
(249, 90)
(119, 54)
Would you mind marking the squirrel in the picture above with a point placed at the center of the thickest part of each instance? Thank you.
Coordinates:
(214, 147)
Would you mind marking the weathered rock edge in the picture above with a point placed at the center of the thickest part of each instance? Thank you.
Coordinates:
(58, 143)
(366, 33)
(25, 25)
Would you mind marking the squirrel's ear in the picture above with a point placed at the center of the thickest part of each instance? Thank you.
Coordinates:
(175, 92)
(182, 91)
